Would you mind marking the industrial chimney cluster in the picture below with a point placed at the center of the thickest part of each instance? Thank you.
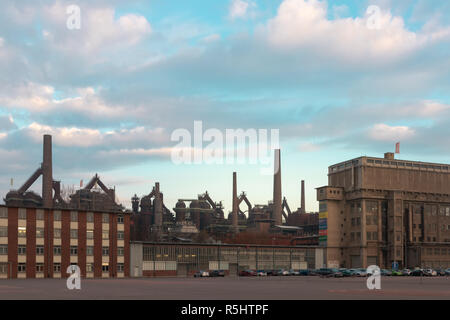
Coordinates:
(199, 219)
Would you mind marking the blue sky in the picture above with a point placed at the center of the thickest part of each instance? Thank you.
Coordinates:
(112, 92)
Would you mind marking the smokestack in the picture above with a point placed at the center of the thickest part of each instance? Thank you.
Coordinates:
(234, 214)
(157, 202)
(277, 188)
(47, 173)
(302, 201)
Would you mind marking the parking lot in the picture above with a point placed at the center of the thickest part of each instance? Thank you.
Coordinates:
(229, 288)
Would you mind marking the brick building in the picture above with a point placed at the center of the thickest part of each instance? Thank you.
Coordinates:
(382, 210)
(42, 243)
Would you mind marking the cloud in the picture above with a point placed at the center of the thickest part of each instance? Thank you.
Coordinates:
(240, 8)
(384, 132)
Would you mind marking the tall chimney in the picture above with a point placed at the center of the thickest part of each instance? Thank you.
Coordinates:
(47, 173)
(277, 188)
(158, 203)
(302, 201)
(234, 214)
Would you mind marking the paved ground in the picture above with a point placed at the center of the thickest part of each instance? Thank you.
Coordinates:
(229, 288)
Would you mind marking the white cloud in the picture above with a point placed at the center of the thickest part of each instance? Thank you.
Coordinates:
(304, 24)
(384, 132)
(240, 8)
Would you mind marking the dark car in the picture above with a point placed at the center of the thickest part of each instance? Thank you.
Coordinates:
(335, 273)
(440, 272)
(346, 272)
(217, 273)
(247, 273)
(304, 272)
(418, 273)
(201, 274)
(325, 272)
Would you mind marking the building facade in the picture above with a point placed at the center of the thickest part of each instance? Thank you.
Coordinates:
(150, 259)
(43, 243)
(383, 211)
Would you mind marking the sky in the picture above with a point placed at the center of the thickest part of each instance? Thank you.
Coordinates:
(113, 91)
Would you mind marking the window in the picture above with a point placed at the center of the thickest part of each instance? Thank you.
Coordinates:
(90, 234)
(22, 232)
(120, 251)
(73, 234)
(3, 268)
(90, 217)
(3, 249)
(39, 232)
(369, 235)
(105, 218)
(105, 251)
(57, 216)
(39, 250)
(105, 267)
(57, 267)
(437, 251)
(39, 215)
(39, 267)
(358, 235)
(120, 235)
(3, 231)
(90, 251)
(105, 235)
(120, 267)
(3, 213)
(22, 249)
(21, 267)
(22, 214)
(57, 250)
(89, 267)
(73, 216)
(57, 233)
(73, 250)
(120, 218)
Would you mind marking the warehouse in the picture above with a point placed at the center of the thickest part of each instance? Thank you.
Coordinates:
(179, 259)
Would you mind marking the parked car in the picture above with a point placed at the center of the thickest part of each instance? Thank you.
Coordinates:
(261, 273)
(430, 272)
(304, 272)
(386, 273)
(201, 274)
(417, 272)
(272, 273)
(447, 272)
(440, 272)
(397, 273)
(324, 271)
(360, 272)
(406, 272)
(247, 273)
(283, 272)
(335, 273)
(345, 272)
(293, 272)
(217, 273)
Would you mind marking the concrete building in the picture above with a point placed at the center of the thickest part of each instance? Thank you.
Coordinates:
(383, 211)
(43, 243)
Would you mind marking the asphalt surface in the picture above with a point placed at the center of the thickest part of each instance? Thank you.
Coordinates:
(228, 288)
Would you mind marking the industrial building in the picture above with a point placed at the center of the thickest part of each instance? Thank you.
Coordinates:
(201, 219)
(383, 211)
(42, 235)
(150, 259)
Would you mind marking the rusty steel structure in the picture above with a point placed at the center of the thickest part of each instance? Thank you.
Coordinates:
(83, 199)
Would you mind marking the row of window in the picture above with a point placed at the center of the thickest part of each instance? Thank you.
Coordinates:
(22, 233)
(22, 250)
(437, 251)
(57, 216)
(22, 267)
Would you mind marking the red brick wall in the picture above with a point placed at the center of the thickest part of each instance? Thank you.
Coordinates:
(97, 245)
(112, 245)
(82, 242)
(31, 243)
(160, 273)
(65, 243)
(13, 223)
(126, 221)
(48, 243)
